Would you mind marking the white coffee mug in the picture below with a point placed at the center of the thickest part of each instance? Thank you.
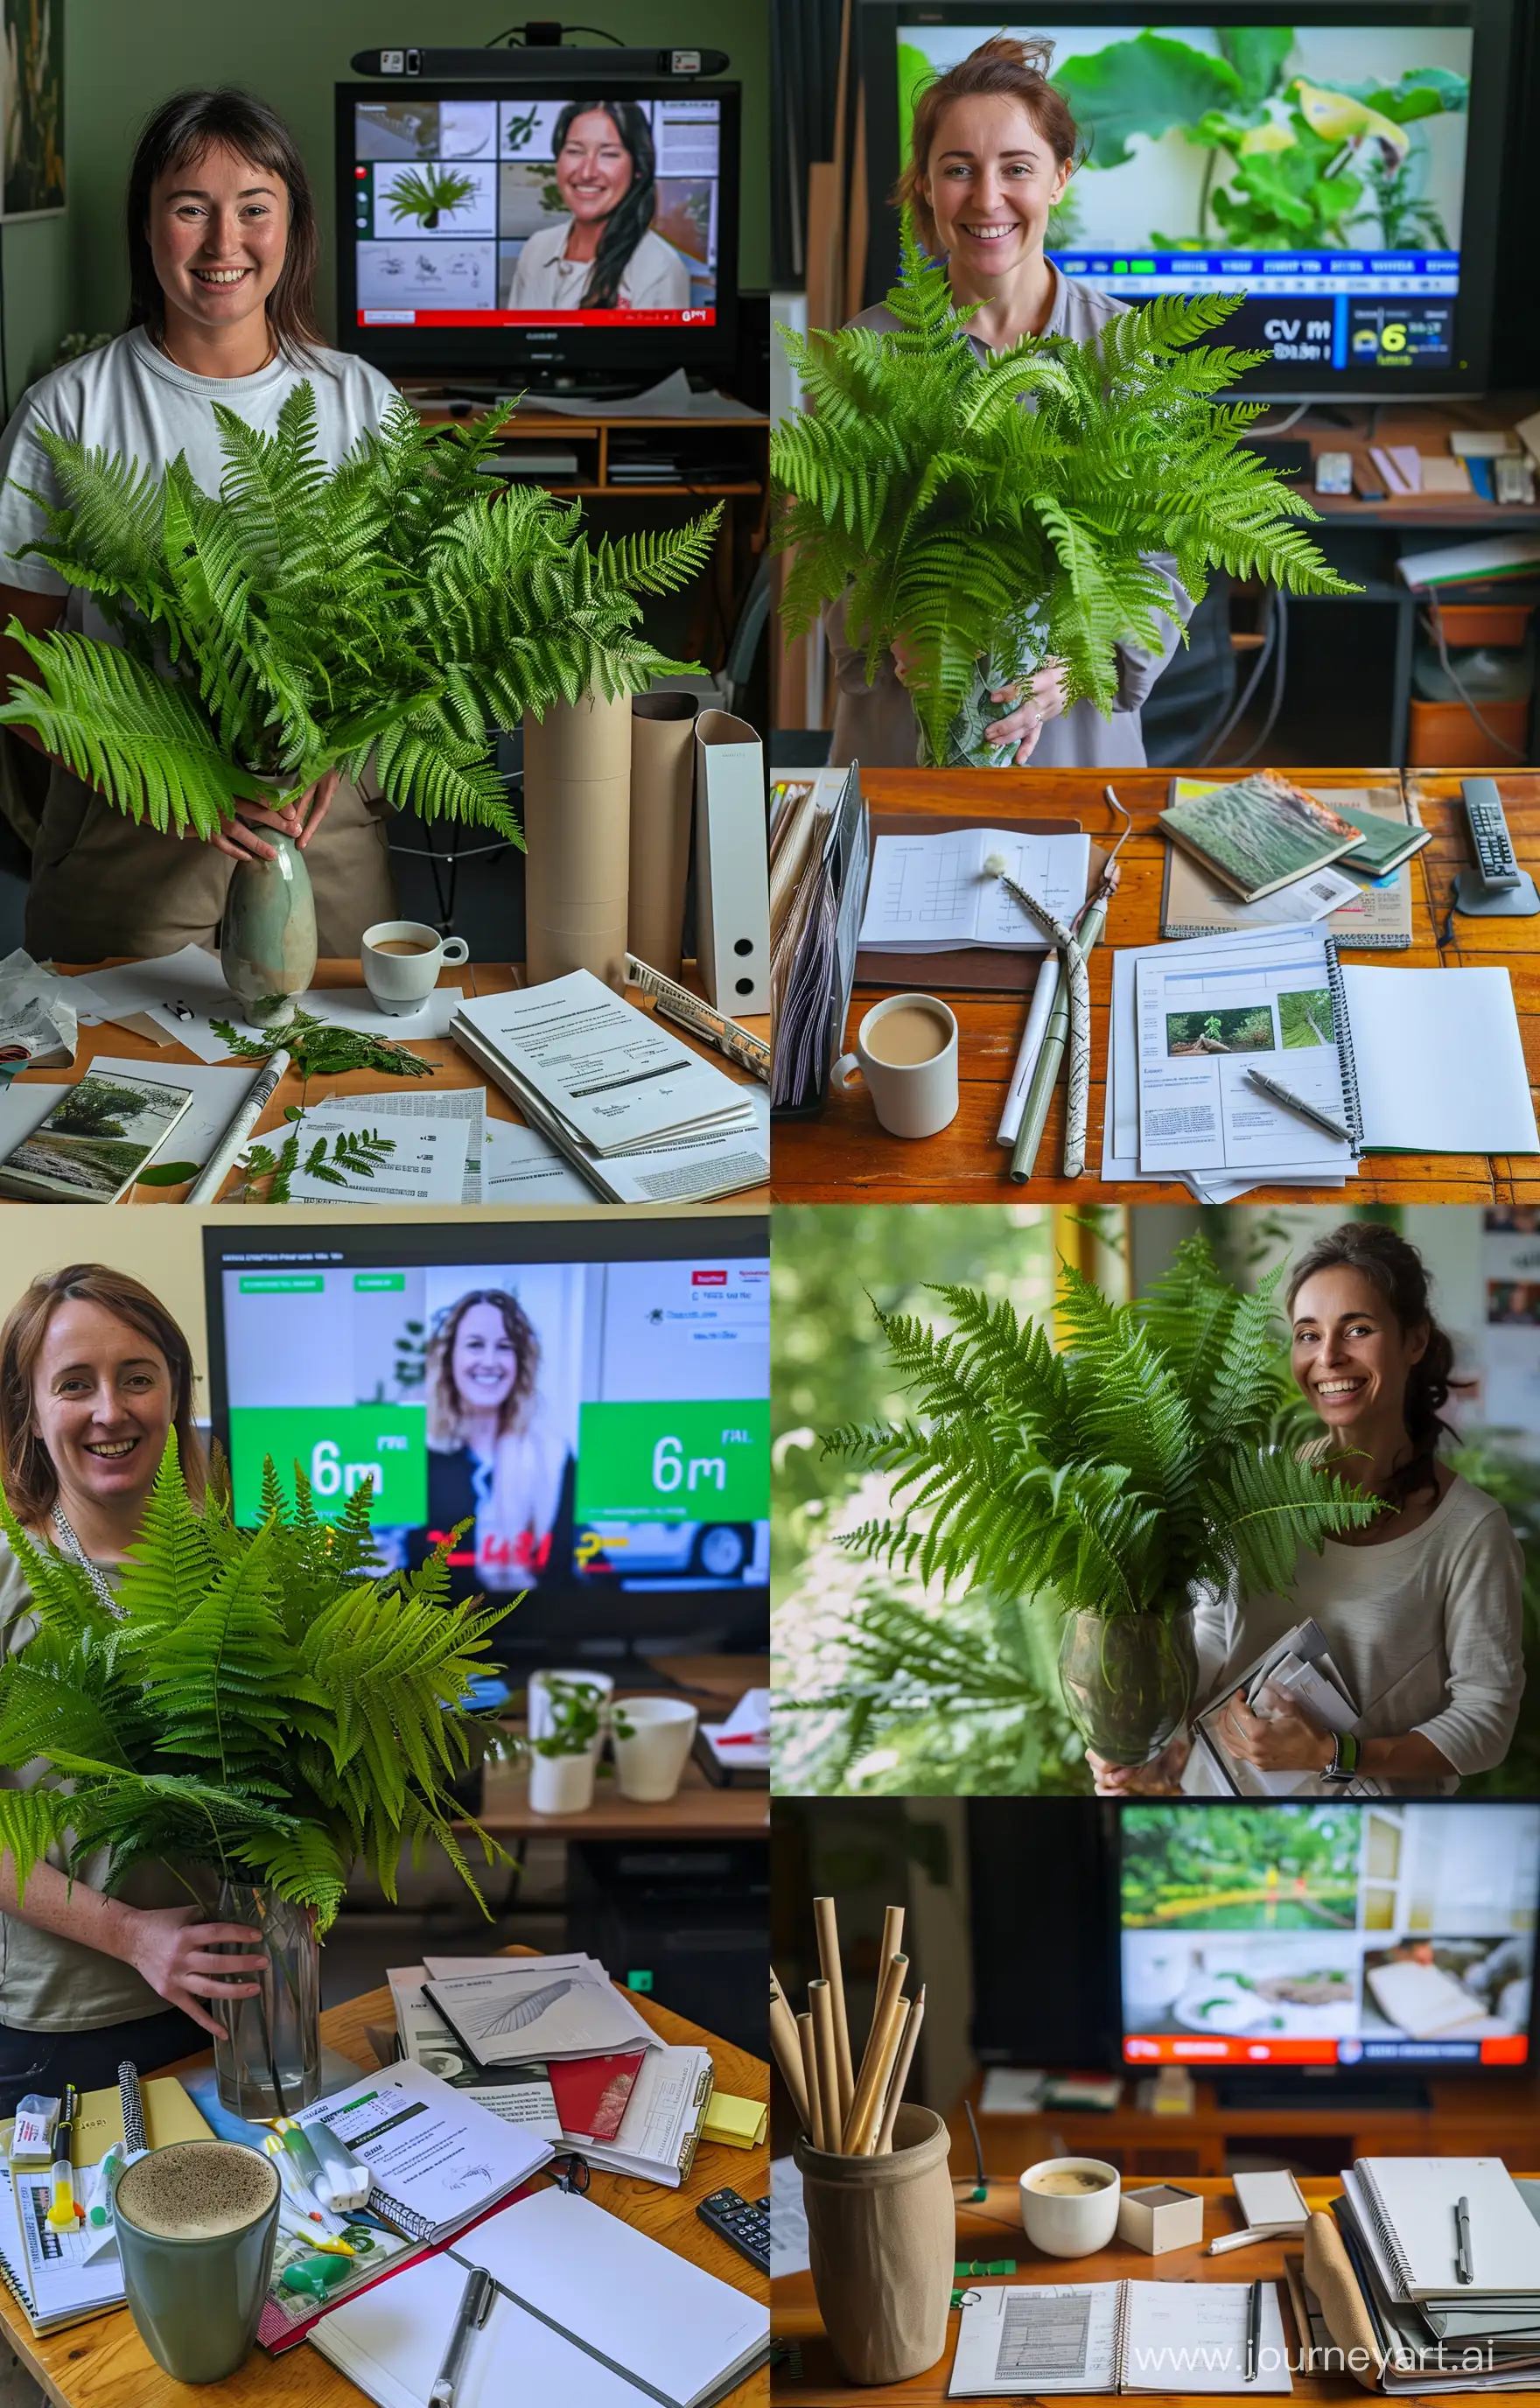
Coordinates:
(650, 1759)
(1070, 2224)
(400, 981)
(914, 1091)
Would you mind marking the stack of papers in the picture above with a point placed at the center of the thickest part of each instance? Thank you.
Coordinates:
(175, 999)
(1296, 1675)
(742, 1742)
(646, 1120)
(1397, 2221)
(519, 2094)
(932, 893)
(660, 2128)
(819, 856)
(507, 2011)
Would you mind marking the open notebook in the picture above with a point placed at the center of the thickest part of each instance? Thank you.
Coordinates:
(1162, 2337)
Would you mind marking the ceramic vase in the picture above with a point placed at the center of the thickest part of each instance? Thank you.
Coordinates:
(1128, 1679)
(267, 948)
(577, 833)
(268, 2055)
(651, 1738)
(882, 2242)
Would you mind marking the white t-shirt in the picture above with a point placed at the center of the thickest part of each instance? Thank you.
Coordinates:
(656, 277)
(130, 399)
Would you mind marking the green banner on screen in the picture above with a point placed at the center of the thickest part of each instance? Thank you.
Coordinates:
(675, 1463)
(335, 1446)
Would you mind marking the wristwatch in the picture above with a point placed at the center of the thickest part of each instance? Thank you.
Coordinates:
(1344, 1758)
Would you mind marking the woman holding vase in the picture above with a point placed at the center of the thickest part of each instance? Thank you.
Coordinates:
(222, 252)
(94, 1375)
(992, 151)
(1421, 1610)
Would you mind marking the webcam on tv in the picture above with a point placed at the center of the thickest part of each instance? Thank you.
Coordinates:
(542, 57)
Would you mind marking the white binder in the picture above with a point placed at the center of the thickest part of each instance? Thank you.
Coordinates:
(731, 865)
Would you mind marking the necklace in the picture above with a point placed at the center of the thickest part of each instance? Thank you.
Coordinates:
(94, 1572)
(162, 345)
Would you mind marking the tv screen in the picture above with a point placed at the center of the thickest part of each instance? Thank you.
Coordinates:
(495, 224)
(1336, 167)
(1367, 1935)
(587, 1408)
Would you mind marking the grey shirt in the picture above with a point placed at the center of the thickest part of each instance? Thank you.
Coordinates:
(47, 1982)
(1427, 1630)
(875, 724)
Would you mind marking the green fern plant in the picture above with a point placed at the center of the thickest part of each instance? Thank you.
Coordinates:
(429, 194)
(304, 619)
(261, 1702)
(988, 537)
(1109, 1477)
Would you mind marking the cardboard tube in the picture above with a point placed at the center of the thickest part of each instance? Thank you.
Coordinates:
(829, 1966)
(872, 2089)
(912, 2021)
(662, 806)
(577, 808)
(787, 2050)
(892, 1944)
(808, 2047)
(829, 2063)
(888, 1986)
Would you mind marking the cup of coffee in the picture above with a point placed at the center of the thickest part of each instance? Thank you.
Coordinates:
(1068, 2205)
(402, 959)
(196, 2223)
(906, 1050)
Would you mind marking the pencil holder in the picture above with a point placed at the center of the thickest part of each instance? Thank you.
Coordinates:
(882, 2242)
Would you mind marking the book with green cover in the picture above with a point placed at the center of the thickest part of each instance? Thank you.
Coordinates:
(1383, 843)
(1259, 834)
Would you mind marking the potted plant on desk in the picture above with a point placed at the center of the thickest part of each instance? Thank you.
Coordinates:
(564, 1761)
(1115, 1478)
(996, 514)
(307, 620)
(257, 1710)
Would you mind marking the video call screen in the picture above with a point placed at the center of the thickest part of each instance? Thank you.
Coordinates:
(482, 212)
(1353, 1934)
(1320, 167)
(586, 1421)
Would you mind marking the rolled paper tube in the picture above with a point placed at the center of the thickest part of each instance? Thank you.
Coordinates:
(865, 2116)
(914, 2018)
(828, 2060)
(892, 1983)
(577, 808)
(809, 2046)
(892, 1940)
(787, 2051)
(1077, 1110)
(662, 806)
(833, 1972)
(1050, 1061)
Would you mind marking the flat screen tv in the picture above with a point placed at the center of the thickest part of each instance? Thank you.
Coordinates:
(1338, 165)
(590, 1401)
(1375, 1935)
(457, 205)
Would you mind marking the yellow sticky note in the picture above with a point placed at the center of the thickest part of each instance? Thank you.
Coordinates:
(738, 2123)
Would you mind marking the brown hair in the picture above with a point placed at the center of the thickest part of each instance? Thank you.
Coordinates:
(1002, 66)
(445, 1427)
(26, 1467)
(181, 132)
(1394, 1267)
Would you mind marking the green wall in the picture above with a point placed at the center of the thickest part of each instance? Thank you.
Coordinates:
(123, 56)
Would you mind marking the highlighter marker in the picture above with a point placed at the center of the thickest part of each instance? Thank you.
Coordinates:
(63, 2213)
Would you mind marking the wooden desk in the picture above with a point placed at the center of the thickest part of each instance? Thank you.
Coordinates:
(104, 2364)
(993, 2229)
(845, 1157)
(697, 1810)
(453, 1069)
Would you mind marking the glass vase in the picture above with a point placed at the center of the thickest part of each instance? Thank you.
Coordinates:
(268, 2055)
(1129, 1679)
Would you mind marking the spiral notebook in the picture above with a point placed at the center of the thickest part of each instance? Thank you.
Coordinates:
(1407, 2209)
(1042, 2338)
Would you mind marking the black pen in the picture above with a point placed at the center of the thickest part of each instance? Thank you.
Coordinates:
(475, 2307)
(1463, 2271)
(1253, 2331)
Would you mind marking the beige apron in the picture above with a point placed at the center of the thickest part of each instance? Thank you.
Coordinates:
(105, 886)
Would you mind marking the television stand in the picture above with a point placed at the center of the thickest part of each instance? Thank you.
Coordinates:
(592, 385)
(1403, 2092)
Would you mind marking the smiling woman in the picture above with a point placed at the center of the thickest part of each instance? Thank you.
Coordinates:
(94, 1375)
(491, 1459)
(1421, 1608)
(222, 252)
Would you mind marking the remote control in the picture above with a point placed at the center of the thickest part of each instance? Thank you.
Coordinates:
(743, 2224)
(1494, 853)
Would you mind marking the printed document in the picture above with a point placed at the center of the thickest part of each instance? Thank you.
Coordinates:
(1205, 1024)
(931, 893)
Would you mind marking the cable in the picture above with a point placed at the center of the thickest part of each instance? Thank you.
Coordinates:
(1292, 419)
(1514, 752)
(509, 32)
(1218, 732)
(1280, 670)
